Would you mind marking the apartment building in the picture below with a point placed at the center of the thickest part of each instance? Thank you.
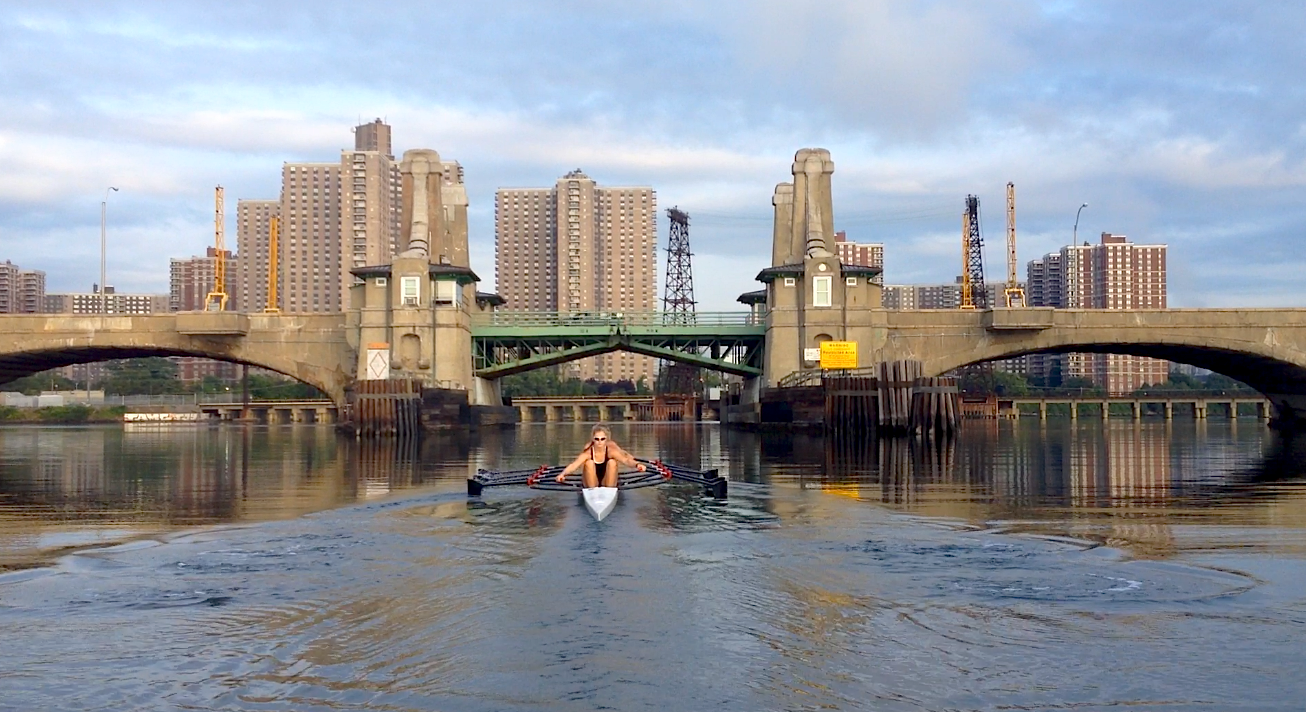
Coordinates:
(333, 217)
(580, 247)
(933, 296)
(95, 302)
(1113, 274)
(864, 254)
(22, 291)
(253, 241)
(190, 281)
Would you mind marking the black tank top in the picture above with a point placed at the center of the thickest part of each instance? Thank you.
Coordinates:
(596, 462)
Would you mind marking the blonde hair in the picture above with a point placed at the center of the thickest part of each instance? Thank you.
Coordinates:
(600, 428)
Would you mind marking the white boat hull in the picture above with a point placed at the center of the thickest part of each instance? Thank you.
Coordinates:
(600, 500)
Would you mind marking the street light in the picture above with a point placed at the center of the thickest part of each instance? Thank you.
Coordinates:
(1074, 240)
(104, 206)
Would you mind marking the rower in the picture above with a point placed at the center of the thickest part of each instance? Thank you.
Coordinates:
(602, 453)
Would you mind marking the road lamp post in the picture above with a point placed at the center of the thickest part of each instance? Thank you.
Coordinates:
(104, 208)
(1074, 240)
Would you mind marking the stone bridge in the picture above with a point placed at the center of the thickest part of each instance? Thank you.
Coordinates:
(1264, 348)
(313, 348)
(420, 317)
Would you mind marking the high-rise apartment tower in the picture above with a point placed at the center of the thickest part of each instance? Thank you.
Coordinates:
(579, 247)
(1114, 274)
(22, 291)
(333, 217)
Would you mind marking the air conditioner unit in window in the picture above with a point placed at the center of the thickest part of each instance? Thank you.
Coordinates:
(410, 301)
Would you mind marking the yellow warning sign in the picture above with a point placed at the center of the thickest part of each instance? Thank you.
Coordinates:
(838, 354)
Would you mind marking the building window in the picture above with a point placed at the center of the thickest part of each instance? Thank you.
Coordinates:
(410, 290)
(446, 292)
(822, 287)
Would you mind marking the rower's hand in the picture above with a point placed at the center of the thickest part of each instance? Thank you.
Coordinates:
(562, 477)
(640, 466)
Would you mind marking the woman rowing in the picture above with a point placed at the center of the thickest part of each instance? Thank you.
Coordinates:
(601, 455)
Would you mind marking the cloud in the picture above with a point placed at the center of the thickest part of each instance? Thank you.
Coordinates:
(1175, 121)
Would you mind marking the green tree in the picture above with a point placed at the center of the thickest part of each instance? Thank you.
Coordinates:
(1078, 386)
(37, 382)
(141, 376)
(274, 388)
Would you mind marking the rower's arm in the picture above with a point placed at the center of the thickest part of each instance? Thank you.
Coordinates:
(626, 458)
(575, 465)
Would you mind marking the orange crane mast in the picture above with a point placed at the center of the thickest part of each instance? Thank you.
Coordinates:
(1014, 292)
(967, 297)
(217, 298)
(273, 266)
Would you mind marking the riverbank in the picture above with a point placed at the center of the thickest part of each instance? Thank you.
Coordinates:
(61, 415)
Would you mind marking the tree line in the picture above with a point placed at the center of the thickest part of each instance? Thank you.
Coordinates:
(159, 376)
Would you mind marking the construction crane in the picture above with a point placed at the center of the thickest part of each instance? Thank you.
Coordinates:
(966, 301)
(273, 268)
(1014, 292)
(974, 295)
(217, 299)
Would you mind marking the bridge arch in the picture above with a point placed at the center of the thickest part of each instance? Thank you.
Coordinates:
(312, 349)
(1276, 370)
(17, 365)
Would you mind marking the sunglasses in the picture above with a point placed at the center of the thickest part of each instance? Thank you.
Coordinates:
(600, 439)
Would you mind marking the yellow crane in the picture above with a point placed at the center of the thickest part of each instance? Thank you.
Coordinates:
(273, 269)
(1014, 292)
(967, 298)
(217, 299)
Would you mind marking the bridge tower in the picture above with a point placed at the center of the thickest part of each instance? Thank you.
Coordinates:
(811, 297)
(414, 314)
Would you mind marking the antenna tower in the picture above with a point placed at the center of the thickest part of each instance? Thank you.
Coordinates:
(678, 297)
(678, 302)
(217, 299)
(1014, 293)
(974, 295)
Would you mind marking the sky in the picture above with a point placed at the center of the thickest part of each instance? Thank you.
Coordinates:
(1177, 122)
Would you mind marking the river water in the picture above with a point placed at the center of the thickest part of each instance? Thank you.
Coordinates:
(1024, 566)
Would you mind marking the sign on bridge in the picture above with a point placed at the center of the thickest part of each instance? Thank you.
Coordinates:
(838, 354)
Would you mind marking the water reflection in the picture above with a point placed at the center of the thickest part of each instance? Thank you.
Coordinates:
(1118, 482)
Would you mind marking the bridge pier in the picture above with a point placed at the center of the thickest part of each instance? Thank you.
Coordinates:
(1199, 409)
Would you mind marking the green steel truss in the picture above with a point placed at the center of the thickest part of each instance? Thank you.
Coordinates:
(507, 342)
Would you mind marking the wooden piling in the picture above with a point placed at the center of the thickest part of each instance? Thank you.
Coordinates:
(388, 407)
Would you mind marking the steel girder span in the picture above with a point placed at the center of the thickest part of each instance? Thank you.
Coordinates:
(504, 343)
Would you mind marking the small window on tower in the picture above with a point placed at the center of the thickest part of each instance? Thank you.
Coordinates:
(822, 287)
(446, 292)
(410, 290)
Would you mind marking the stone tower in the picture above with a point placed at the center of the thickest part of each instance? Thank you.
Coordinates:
(415, 313)
(811, 296)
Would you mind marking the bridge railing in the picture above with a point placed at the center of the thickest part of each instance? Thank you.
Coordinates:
(616, 318)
